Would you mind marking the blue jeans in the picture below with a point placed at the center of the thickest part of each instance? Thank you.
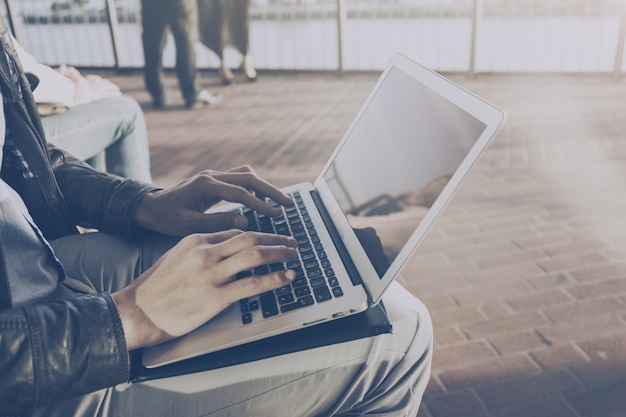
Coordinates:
(110, 134)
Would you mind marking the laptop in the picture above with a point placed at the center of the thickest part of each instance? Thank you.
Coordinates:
(397, 166)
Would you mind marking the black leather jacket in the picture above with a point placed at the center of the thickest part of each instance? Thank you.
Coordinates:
(54, 351)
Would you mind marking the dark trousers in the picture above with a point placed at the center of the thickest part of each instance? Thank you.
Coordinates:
(181, 16)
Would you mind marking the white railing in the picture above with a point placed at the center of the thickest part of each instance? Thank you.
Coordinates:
(474, 36)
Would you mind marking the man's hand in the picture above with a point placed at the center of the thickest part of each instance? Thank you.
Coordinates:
(180, 210)
(194, 281)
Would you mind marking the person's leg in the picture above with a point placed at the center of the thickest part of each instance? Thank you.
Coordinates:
(383, 375)
(96, 262)
(154, 24)
(115, 125)
(183, 23)
(240, 33)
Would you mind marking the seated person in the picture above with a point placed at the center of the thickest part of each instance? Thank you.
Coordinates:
(72, 306)
(89, 117)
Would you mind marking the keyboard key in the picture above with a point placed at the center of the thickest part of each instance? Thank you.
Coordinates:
(268, 305)
(301, 302)
(310, 263)
(246, 318)
(322, 293)
(283, 290)
(285, 298)
(302, 291)
(299, 282)
(337, 291)
(308, 256)
(316, 282)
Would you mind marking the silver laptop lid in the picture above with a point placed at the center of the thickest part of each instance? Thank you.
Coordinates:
(412, 142)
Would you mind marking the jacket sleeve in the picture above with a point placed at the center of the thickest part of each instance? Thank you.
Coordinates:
(60, 350)
(101, 201)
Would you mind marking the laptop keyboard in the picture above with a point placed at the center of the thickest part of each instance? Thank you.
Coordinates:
(315, 278)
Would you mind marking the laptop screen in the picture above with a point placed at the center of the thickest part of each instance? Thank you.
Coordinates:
(394, 164)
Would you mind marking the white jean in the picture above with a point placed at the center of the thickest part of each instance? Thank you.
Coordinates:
(385, 375)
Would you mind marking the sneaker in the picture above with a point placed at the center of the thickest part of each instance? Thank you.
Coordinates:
(205, 98)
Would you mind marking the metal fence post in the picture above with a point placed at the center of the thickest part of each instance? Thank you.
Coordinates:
(113, 30)
(477, 17)
(342, 17)
(11, 20)
(621, 41)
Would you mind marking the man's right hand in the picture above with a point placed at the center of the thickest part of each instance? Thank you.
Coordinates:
(195, 281)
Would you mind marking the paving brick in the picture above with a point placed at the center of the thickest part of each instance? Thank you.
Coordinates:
(456, 316)
(572, 262)
(520, 390)
(576, 248)
(542, 241)
(505, 273)
(600, 401)
(551, 280)
(495, 310)
(454, 404)
(585, 309)
(504, 326)
(488, 372)
(465, 354)
(481, 251)
(559, 356)
(511, 258)
(436, 302)
(516, 343)
(609, 347)
(601, 272)
(599, 289)
(582, 329)
(499, 291)
(539, 300)
(448, 336)
(549, 407)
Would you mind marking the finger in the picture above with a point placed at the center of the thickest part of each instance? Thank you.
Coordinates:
(218, 237)
(236, 193)
(252, 257)
(245, 241)
(213, 222)
(257, 284)
(246, 178)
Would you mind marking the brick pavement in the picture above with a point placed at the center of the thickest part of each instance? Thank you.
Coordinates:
(524, 273)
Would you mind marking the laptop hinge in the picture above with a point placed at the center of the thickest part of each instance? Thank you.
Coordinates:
(355, 277)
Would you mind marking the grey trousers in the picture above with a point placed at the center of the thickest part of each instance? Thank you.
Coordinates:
(384, 375)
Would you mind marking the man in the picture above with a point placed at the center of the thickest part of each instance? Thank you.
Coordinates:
(181, 16)
(71, 308)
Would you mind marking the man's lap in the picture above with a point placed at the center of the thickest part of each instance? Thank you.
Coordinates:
(379, 373)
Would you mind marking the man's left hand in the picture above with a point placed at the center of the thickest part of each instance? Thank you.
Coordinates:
(180, 210)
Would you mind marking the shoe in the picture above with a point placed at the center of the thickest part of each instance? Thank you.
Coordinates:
(205, 98)
(226, 75)
(248, 68)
